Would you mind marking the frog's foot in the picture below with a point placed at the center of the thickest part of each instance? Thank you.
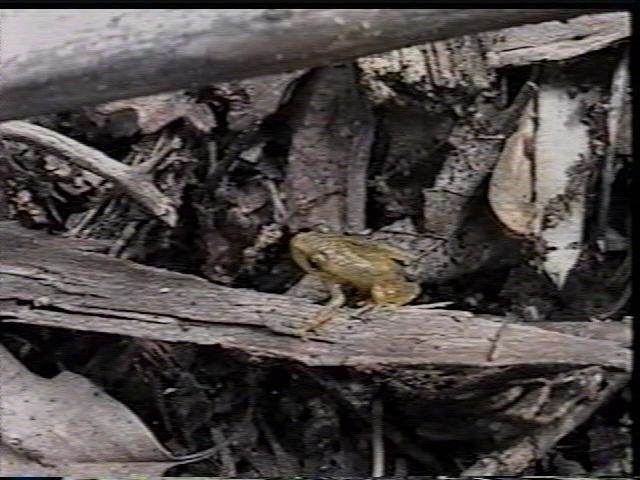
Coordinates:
(324, 316)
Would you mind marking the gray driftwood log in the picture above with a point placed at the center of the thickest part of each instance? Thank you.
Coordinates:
(54, 61)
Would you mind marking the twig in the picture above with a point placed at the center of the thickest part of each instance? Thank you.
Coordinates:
(107, 203)
(137, 185)
(84, 220)
(493, 351)
(401, 468)
(127, 234)
(228, 464)
(280, 214)
(505, 123)
(346, 399)
(285, 462)
(377, 440)
(161, 149)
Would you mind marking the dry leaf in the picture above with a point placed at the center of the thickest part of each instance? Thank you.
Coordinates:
(15, 464)
(155, 112)
(66, 426)
(511, 186)
(538, 187)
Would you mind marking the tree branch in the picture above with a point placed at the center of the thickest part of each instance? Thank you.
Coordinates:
(55, 281)
(134, 183)
(53, 61)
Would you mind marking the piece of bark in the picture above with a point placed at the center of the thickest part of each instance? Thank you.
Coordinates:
(554, 41)
(429, 69)
(50, 58)
(332, 131)
(54, 281)
(254, 99)
(479, 243)
(152, 113)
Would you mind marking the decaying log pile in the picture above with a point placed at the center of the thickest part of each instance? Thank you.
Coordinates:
(397, 146)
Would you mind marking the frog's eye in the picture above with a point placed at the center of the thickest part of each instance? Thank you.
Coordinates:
(317, 259)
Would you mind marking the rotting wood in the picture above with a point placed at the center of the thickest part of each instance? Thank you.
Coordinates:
(49, 280)
(554, 41)
(144, 52)
(332, 130)
(529, 448)
(470, 62)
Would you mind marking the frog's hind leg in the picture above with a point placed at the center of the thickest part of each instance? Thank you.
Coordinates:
(327, 313)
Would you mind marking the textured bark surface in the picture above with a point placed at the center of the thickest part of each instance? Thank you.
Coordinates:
(51, 281)
(51, 57)
(332, 130)
(552, 41)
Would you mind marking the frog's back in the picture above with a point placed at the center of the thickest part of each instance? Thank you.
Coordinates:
(355, 260)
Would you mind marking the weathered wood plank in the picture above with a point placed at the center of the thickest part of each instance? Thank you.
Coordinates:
(553, 41)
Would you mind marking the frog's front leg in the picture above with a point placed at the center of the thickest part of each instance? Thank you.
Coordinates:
(327, 313)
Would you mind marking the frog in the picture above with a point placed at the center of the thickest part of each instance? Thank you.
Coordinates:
(373, 268)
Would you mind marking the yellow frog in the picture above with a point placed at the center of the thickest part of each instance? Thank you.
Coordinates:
(372, 268)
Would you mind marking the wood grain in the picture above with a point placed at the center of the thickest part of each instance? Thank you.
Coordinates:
(60, 282)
